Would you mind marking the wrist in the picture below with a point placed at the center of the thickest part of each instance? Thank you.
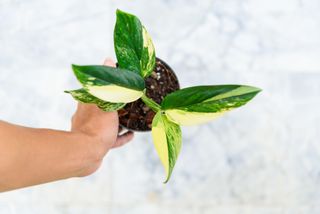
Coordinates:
(89, 153)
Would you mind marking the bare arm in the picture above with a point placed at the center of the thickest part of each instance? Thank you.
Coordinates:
(31, 156)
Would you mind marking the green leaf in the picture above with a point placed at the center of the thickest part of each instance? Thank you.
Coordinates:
(200, 104)
(110, 84)
(83, 96)
(133, 45)
(167, 141)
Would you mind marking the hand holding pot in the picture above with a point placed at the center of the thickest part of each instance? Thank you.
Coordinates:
(30, 156)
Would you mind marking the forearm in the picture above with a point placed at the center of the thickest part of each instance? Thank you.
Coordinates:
(32, 156)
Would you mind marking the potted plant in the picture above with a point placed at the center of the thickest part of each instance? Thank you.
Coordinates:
(145, 91)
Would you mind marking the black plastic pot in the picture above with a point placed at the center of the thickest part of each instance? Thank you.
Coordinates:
(136, 116)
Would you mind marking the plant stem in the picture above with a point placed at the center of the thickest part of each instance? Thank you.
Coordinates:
(150, 103)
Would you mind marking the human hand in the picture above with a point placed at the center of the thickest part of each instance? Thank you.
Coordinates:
(31, 156)
(101, 129)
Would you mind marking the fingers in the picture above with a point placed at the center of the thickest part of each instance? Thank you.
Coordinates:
(109, 62)
(120, 129)
(123, 139)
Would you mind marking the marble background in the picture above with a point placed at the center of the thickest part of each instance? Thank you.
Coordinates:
(263, 158)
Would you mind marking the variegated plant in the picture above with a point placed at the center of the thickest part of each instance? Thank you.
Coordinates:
(112, 88)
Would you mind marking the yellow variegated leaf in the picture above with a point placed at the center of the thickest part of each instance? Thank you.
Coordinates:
(133, 45)
(160, 141)
(110, 84)
(114, 93)
(148, 56)
(200, 104)
(167, 141)
(83, 96)
(191, 118)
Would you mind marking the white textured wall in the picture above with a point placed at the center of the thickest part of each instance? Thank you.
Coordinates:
(263, 158)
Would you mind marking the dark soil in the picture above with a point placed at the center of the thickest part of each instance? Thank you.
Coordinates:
(137, 116)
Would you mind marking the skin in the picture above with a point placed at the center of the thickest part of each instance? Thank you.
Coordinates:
(30, 156)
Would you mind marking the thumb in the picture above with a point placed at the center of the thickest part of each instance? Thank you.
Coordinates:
(109, 62)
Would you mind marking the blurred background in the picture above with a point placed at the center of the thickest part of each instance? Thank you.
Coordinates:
(262, 158)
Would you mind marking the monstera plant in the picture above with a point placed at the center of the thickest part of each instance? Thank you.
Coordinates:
(146, 92)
